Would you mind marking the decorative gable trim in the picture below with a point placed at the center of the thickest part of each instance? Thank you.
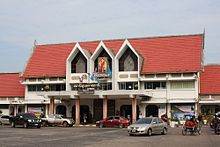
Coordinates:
(97, 51)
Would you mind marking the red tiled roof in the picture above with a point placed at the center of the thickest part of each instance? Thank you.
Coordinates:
(161, 54)
(10, 85)
(48, 60)
(170, 54)
(210, 80)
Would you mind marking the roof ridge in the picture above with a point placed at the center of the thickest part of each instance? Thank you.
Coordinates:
(212, 64)
(10, 73)
(121, 39)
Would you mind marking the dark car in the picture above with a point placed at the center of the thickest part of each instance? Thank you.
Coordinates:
(26, 120)
(113, 121)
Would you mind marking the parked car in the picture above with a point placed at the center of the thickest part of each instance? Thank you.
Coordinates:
(113, 121)
(57, 120)
(148, 126)
(4, 120)
(26, 120)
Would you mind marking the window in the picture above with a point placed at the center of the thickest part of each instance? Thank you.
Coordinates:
(110, 118)
(128, 86)
(128, 61)
(155, 85)
(117, 118)
(52, 87)
(182, 84)
(105, 86)
(129, 64)
(31, 87)
(79, 64)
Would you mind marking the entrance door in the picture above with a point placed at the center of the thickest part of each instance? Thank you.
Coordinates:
(61, 109)
(126, 111)
(84, 110)
(111, 108)
(98, 109)
(152, 110)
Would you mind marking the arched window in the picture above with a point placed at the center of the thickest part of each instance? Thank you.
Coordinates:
(128, 61)
(79, 64)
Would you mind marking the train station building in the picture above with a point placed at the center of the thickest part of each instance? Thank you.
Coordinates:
(149, 75)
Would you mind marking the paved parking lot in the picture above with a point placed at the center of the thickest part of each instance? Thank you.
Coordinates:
(100, 137)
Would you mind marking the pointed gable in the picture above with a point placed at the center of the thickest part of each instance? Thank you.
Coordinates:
(210, 80)
(10, 85)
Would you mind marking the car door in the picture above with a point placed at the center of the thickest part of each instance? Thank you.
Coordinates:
(51, 119)
(116, 120)
(154, 125)
(108, 121)
(5, 119)
(58, 120)
(19, 120)
(160, 125)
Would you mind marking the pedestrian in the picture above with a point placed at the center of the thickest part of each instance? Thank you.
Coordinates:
(84, 118)
(200, 119)
(165, 119)
(140, 115)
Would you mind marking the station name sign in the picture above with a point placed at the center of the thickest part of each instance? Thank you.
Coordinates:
(85, 85)
(85, 88)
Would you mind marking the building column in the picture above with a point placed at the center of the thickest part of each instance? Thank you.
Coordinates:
(15, 109)
(169, 111)
(134, 109)
(77, 105)
(51, 111)
(105, 107)
(25, 108)
(46, 110)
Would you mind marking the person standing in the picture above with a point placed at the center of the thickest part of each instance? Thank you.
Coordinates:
(140, 115)
(200, 119)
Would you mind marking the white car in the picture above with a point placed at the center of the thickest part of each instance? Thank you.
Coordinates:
(148, 126)
(57, 120)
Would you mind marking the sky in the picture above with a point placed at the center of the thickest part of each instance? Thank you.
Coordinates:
(63, 21)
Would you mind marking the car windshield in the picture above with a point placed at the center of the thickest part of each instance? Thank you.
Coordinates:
(144, 121)
(29, 116)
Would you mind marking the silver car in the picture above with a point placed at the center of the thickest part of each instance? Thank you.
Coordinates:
(4, 120)
(57, 120)
(148, 126)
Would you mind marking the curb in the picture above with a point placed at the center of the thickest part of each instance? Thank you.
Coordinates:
(92, 125)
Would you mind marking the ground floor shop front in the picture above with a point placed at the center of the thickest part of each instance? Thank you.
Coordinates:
(96, 109)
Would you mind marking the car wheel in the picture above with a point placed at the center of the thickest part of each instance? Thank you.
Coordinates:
(13, 124)
(101, 125)
(25, 125)
(184, 131)
(39, 126)
(65, 124)
(120, 126)
(44, 124)
(131, 134)
(149, 132)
